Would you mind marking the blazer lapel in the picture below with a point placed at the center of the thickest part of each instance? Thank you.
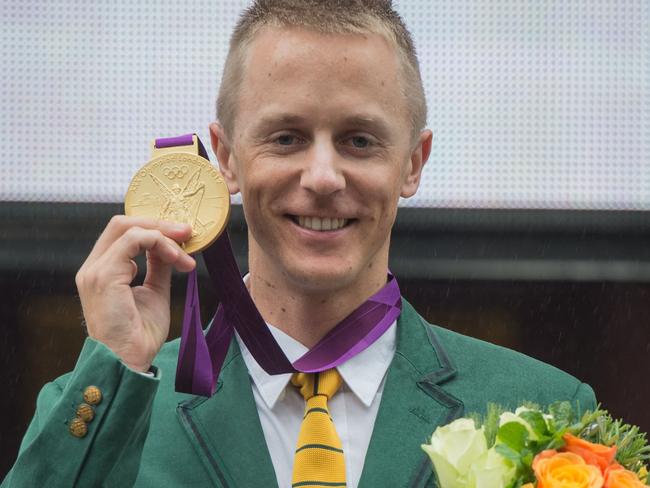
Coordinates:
(413, 404)
(225, 429)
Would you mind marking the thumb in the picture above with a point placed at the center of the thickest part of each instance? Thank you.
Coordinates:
(159, 275)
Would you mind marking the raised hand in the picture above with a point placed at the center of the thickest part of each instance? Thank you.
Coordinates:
(133, 321)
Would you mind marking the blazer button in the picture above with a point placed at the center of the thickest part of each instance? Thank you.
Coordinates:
(78, 427)
(92, 395)
(86, 412)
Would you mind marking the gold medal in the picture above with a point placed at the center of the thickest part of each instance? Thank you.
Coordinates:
(178, 185)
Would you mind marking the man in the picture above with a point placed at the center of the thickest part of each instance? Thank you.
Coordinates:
(321, 115)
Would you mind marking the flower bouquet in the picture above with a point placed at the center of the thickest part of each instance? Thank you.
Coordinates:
(535, 448)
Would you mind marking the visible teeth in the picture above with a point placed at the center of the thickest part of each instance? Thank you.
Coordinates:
(321, 224)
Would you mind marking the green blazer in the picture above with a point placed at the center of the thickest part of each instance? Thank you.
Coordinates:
(146, 434)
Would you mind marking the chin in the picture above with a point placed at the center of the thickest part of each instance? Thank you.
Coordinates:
(323, 276)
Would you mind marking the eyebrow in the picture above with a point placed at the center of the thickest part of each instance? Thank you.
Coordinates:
(271, 120)
(375, 124)
(362, 121)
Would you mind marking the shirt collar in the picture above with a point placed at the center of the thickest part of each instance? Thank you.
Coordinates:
(362, 373)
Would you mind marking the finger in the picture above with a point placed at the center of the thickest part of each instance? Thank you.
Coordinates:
(134, 273)
(115, 265)
(137, 240)
(159, 272)
(120, 224)
(184, 263)
(159, 275)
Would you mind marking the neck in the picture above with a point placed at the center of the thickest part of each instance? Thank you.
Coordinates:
(306, 313)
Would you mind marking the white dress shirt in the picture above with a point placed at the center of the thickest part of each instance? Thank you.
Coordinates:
(354, 408)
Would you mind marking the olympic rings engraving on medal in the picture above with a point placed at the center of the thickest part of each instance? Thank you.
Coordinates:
(173, 172)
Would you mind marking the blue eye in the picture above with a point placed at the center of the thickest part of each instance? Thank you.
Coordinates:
(360, 142)
(286, 139)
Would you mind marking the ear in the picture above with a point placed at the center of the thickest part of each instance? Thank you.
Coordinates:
(227, 165)
(419, 156)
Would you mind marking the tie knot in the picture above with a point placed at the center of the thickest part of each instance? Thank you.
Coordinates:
(324, 383)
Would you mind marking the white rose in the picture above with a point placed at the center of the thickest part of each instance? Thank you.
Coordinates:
(453, 449)
(491, 470)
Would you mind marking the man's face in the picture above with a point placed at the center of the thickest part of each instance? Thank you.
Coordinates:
(321, 150)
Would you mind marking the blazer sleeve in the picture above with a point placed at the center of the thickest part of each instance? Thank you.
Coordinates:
(109, 453)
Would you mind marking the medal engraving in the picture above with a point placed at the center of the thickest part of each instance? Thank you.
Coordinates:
(185, 188)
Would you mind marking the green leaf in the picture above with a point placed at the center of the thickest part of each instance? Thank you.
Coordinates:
(491, 423)
(556, 442)
(527, 458)
(562, 413)
(536, 422)
(508, 453)
(514, 435)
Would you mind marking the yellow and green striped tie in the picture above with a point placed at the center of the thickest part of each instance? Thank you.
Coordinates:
(319, 460)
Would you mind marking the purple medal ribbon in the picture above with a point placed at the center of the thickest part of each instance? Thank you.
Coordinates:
(201, 355)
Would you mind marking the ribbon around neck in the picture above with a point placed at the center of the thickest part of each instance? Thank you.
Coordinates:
(201, 355)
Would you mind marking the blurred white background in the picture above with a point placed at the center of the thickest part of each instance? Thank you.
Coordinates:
(533, 104)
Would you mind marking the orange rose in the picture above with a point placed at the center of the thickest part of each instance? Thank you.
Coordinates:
(565, 469)
(622, 478)
(594, 454)
(548, 453)
(612, 467)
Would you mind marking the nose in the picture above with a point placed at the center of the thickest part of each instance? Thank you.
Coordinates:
(322, 171)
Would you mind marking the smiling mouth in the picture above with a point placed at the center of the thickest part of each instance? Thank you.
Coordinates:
(320, 224)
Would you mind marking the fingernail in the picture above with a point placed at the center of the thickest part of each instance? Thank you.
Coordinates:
(180, 227)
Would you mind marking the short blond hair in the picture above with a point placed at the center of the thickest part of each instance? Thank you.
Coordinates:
(327, 17)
